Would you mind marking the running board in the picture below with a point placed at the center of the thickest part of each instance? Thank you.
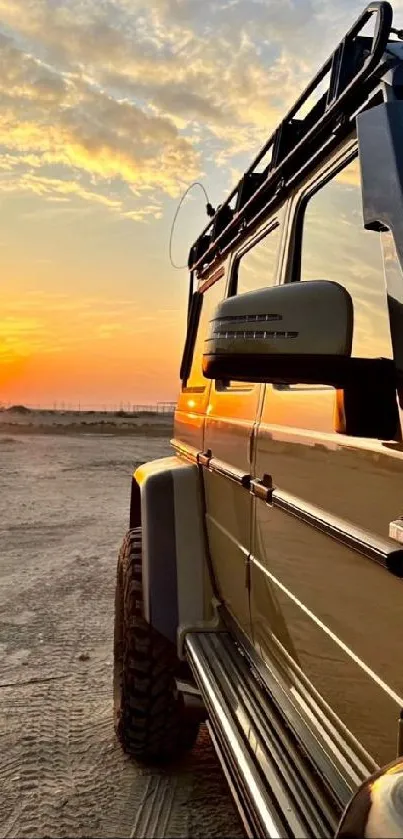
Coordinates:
(276, 789)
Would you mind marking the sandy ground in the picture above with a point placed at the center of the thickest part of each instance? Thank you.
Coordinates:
(63, 510)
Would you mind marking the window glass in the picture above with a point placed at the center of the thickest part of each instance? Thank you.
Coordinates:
(211, 299)
(394, 275)
(336, 246)
(257, 267)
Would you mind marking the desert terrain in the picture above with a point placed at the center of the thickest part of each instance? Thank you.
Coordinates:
(64, 495)
(22, 420)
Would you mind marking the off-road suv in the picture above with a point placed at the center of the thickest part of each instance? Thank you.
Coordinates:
(259, 582)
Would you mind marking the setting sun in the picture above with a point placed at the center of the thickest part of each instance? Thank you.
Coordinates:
(109, 111)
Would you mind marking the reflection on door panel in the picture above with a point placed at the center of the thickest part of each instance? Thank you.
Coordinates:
(337, 613)
(230, 421)
(228, 527)
(320, 587)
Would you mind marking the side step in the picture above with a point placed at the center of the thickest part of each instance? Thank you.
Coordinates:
(276, 788)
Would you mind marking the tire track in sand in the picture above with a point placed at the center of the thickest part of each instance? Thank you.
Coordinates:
(69, 778)
(62, 772)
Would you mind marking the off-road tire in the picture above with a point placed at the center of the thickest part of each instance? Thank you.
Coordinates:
(151, 719)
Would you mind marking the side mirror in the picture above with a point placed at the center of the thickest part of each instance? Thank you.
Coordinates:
(302, 333)
(290, 334)
(376, 809)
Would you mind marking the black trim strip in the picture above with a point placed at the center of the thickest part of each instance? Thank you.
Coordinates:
(195, 308)
(219, 467)
(236, 475)
(382, 551)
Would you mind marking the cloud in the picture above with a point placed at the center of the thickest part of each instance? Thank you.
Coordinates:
(93, 133)
(198, 61)
(350, 175)
(136, 97)
(26, 77)
(52, 119)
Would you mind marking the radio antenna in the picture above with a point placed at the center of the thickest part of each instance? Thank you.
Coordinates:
(209, 210)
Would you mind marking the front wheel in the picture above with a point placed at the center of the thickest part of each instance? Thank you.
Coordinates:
(151, 719)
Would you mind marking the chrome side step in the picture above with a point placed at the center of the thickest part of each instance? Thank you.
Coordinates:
(276, 789)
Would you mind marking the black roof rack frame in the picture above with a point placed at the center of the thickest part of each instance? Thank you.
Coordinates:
(352, 75)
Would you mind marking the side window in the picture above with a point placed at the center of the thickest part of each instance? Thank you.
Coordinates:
(211, 298)
(336, 246)
(256, 268)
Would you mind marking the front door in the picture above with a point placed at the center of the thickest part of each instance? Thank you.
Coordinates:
(230, 424)
(319, 598)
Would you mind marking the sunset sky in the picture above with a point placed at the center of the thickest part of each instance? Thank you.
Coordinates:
(109, 109)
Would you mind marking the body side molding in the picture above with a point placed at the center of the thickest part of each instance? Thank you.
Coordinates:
(384, 551)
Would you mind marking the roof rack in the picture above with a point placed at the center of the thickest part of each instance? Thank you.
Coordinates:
(351, 75)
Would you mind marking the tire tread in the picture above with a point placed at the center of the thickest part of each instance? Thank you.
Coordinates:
(150, 718)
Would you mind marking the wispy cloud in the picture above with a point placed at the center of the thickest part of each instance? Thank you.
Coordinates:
(127, 99)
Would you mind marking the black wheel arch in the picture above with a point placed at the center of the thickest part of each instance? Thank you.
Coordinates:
(135, 505)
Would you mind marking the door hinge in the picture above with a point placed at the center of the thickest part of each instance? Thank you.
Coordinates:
(203, 458)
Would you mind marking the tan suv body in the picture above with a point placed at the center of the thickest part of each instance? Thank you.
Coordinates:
(271, 546)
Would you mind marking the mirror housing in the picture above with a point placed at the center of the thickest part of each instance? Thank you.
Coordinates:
(291, 334)
(301, 333)
(376, 809)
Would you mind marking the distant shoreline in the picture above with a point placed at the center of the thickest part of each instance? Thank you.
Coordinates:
(74, 422)
(87, 428)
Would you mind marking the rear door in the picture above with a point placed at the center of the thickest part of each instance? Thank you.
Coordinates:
(316, 602)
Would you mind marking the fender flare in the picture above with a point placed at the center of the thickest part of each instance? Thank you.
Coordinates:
(167, 501)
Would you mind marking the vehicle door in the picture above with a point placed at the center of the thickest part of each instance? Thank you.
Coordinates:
(320, 604)
(230, 424)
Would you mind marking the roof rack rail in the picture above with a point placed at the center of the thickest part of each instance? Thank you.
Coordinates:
(351, 70)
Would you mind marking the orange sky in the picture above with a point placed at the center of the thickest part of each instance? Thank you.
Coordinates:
(109, 109)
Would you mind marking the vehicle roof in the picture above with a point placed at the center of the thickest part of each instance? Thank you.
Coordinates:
(353, 75)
